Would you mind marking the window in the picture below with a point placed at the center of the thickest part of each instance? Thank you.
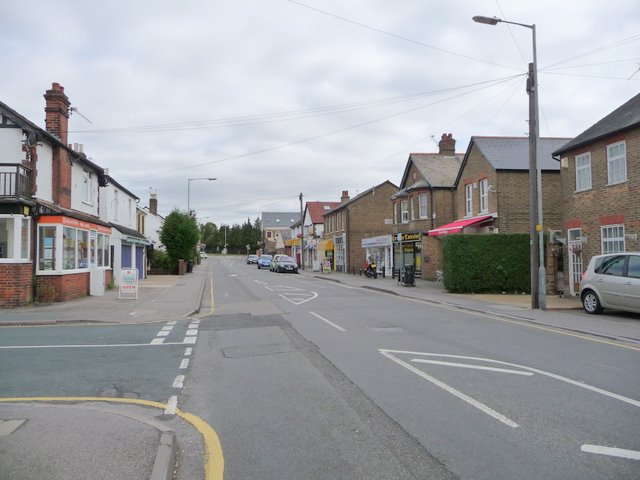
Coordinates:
(612, 266)
(395, 213)
(617, 163)
(422, 205)
(69, 245)
(269, 233)
(414, 212)
(404, 210)
(468, 193)
(14, 237)
(484, 195)
(583, 172)
(612, 238)
(46, 248)
(633, 267)
(87, 187)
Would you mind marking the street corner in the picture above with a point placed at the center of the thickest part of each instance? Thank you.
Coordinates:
(126, 438)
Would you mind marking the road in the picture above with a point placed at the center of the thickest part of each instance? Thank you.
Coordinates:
(304, 378)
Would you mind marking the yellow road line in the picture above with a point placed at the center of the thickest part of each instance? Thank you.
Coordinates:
(214, 460)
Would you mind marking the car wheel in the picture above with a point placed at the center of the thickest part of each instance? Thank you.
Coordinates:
(591, 302)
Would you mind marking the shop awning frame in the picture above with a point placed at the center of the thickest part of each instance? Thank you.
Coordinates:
(458, 225)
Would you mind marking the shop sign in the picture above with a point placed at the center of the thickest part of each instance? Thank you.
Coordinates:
(380, 241)
(74, 222)
(407, 237)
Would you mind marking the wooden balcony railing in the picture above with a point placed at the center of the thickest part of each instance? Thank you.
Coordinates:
(15, 181)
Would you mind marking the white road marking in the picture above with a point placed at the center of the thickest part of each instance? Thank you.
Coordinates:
(261, 283)
(328, 322)
(586, 386)
(172, 404)
(156, 341)
(172, 322)
(466, 365)
(163, 334)
(298, 301)
(189, 340)
(168, 328)
(178, 382)
(187, 351)
(184, 364)
(471, 401)
(611, 451)
(118, 345)
(192, 332)
(196, 322)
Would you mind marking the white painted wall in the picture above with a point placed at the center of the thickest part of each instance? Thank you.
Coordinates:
(11, 145)
(44, 180)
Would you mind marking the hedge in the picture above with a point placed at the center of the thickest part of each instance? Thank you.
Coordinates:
(487, 263)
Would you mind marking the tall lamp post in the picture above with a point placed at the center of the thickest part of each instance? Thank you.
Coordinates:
(538, 271)
(189, 180)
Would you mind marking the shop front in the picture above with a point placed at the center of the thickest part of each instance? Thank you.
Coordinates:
(407, 248)
(379, 250)
(72, 258)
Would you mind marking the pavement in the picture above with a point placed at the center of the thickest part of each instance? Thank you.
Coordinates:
(48, 428)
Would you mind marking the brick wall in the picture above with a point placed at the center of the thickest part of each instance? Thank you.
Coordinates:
(602, 204)
(15, 284)
(60, 288)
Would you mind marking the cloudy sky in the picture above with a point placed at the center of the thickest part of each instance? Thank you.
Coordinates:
(279, 97)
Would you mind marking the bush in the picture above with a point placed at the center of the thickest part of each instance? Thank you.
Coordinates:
(487, 263)
(163, 261)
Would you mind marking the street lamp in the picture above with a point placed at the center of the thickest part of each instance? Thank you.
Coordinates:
(538, 271)
(189, 180)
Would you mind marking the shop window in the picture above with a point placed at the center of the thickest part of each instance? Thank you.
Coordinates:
(83, 249)
(25, 238)
(69, 248)
(46, 248)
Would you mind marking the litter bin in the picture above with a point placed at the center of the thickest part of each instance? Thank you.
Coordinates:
(189, 267)
(407, 276)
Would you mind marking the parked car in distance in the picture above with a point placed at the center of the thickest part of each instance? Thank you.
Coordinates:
(252, 259)
(203, 254)
(611, 281)
(264, 261)
(275, 258)
(284, 263)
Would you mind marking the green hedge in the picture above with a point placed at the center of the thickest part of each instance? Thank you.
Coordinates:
(487, 263)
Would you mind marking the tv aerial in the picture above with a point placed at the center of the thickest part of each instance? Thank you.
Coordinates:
(73, 110)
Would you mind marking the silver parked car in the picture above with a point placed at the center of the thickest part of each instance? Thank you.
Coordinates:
(612, 281)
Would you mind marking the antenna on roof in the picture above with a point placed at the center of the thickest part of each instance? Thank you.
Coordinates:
(75, 110)
(434, 140)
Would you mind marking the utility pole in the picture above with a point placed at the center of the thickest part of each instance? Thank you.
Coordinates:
(301, 235)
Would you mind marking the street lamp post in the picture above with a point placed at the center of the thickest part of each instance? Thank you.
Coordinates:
(538, 270)
(189, 180)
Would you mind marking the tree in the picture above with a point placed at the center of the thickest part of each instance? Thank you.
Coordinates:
(180, 236)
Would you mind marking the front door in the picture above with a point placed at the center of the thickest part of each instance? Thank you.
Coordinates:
(576, 265)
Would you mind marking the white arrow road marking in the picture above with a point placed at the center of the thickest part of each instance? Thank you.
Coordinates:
(610, 451)
(328, 322)
(477, 367)
(471, 401)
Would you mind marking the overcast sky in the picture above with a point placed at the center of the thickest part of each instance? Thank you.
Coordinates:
(275, 97)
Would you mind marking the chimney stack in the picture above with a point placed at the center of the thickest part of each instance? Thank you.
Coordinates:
(447, 144)
(345, 196)
(57, 112)
(153, 203)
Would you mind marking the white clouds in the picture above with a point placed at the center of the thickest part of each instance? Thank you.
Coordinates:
(128, 64)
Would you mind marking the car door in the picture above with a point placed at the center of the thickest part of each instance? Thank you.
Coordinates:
(610, 281)
(632, 283)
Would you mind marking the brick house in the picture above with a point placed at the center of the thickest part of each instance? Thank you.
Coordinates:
(52, 235)
(276, 231)
(600, 190)
(315, 247)
(354, 220)
(492, 189)
(425, 200)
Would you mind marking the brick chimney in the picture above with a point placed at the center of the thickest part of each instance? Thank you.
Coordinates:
(57, 112)
(57, 122)
(153, 203)
(447, 144)
(345, 196)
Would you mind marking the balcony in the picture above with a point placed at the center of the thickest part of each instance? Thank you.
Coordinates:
(15, 182)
